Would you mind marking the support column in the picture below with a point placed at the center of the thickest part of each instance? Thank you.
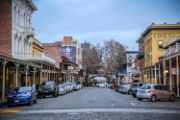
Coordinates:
(17, 74)
(164, 74)
(152, 81)
(34, 78)
(146, 76)
(48, 73)
(177, 75)
(26, 74)
(4, 80)
(170, 73)
(155, 76)
(159, 73)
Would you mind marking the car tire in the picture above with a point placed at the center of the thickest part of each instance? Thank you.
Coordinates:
(35, 101)
(54, 94)
(153, 98)
(139, 99)
(134, 96)
(172, 98)
(10, 105)
(30, 103)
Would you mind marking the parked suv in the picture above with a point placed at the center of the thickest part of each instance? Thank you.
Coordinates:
(155, 92)
(134, 88)
(48, 88)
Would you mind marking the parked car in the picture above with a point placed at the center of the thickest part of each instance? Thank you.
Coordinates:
(125, 88)
(101, 85)
(66, 87)
(77, 86)
(115, 87)
(61, 89)
(22, 95)
(48, 88)
(134, 88)
(71, 87)
(155, 92)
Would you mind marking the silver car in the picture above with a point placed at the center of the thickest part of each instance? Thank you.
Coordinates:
(155, 92)
(125, 88)
(61, 89)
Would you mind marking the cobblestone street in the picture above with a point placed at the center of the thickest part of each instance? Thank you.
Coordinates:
(93, 103)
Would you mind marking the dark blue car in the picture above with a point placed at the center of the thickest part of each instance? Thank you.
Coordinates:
(22, 95)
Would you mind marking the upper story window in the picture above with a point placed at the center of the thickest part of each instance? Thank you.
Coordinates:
(14, 14)
(160, 43)
(19, 15)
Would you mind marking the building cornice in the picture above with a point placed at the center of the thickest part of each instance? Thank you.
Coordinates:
(158, 27)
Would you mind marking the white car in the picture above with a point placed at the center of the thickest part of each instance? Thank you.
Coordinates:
(101, 85)
(61, 89)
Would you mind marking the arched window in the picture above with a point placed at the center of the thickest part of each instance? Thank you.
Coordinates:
(24, 19)
(19, 15)
(14, 12)
(29, 22)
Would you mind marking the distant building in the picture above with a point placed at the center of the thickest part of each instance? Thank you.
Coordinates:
(72, 50)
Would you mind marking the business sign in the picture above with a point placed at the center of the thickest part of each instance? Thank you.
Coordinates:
(69, 52)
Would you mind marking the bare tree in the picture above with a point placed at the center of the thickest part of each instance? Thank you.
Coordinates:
(113, 56)
(91, 57)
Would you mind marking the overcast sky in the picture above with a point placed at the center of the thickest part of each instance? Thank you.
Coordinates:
(99, 20)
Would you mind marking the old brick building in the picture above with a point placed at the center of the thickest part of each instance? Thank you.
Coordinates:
(15, 27)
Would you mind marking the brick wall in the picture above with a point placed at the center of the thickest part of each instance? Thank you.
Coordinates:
(68, 40)
(53, 50)
(5, 27)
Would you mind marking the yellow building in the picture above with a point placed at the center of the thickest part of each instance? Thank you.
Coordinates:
(154, 38)
(37, 48)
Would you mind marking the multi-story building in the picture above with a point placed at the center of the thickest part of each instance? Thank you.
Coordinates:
(16, 35)
(171, 65)
(16, 27)
(128, 69)
(71, 49)
(54, 51)
(152, 41)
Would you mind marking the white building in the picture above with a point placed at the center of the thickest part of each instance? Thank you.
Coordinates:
(22, 31)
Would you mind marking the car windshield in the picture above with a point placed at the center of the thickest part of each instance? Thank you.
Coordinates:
(146, 87)
(22, 89)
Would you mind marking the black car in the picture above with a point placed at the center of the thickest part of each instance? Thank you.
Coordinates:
(48, 88)
(134, 88)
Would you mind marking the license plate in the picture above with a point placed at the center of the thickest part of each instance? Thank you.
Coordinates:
(16, 101)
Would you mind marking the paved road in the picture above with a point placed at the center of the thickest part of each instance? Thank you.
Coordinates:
(94, 103)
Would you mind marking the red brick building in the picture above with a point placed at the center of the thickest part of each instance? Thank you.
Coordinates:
(53, 50)
(5, 27)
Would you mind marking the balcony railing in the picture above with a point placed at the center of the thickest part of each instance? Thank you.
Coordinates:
(29, 31)
(172, 49)
(69, 71)
(40, 57)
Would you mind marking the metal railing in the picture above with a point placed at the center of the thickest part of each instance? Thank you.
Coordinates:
(172, 49)
(29, 56)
